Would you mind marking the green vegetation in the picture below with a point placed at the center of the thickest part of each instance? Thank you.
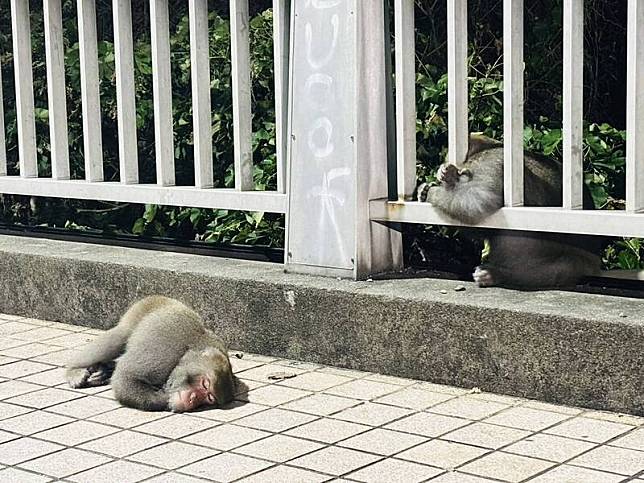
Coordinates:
(604, 146)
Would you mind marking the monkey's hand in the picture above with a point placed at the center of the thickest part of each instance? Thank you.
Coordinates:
(448, 175)
(96, 375)
(484, 277)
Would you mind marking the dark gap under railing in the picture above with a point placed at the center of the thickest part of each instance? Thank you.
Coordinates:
(243, 252)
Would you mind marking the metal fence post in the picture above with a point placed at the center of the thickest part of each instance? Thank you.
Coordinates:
(338, 141)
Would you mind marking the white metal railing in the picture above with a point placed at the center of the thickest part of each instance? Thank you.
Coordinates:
(242, 197)
(570, 218)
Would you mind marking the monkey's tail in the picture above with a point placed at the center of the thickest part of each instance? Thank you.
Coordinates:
(624, 274)
(105, 348)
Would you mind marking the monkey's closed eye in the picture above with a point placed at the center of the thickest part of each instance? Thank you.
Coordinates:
(205, 382)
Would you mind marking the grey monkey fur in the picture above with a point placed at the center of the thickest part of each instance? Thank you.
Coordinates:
(160, 347)
(473, 190)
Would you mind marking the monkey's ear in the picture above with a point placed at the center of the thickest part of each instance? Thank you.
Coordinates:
(479, 142)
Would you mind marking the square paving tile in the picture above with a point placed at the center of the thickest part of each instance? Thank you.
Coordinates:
(172, 455)
(573, 474)
(363, 389)
(65, 463)
(624, 461)
(279, 448)
(328, 430)
(442, 454)
(5, 436)
(632, 440)
(382, 441)
(262, 373)
(544, 406)
(240, 365)
(486, 435)
(372, 414)
(335, 461)
(427, 424)
(72, 340)
(177, 426)
(40, 334)
(321, 404)
(23, 449)
(128, 418)
(14, 388)
(414, 398)
(76, 433)
(399, 381)
(172, 477)
(231, 412)
(117, 471)
(226, 437)
(226, 467)
(341, 371)
(549, 447)
(458, 477)
(390, 469)
(44, 398)
(29, 350)
(507, 467)
(14, 475)
(18, 369)
(15, 327)
(282, 474)
(52, 377)
(11, 410)
(615, 417)
(589, 429)
(123, 443)
(275, 420)
(526, 418)
(58, 358)
(7, 342)
(275, 395)
(33, 422)
(315, 381)
(7, 360)
(468, 407)
(85, 407)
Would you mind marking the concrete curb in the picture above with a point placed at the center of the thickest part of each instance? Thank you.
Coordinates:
(568, 348)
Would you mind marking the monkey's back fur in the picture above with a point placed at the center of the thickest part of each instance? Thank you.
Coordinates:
(516, 258)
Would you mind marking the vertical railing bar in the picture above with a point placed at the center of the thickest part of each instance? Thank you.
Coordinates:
(56, 92)
(125, 91)
(281, 41)
(90, 94)
(162, 92)
(635, 108)
(457, 91)
(3, 141)
(405, 97)
(241, 86)
(24, 88)
(513, 102)
(573, 104)
(200, 71)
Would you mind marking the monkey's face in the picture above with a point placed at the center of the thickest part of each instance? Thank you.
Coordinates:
(200, 379)
(197, 391)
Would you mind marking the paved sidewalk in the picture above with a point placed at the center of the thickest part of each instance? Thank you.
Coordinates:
(322, 424)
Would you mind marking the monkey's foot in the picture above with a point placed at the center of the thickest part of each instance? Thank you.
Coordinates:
(483, 277)
(448, 174)
(422, 191)
(97, 375)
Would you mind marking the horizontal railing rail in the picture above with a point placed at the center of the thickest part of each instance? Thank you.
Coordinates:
(129, 189)
(570, 217)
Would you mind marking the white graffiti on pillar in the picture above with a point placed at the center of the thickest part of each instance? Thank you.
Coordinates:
(329, 200)
(319, 89)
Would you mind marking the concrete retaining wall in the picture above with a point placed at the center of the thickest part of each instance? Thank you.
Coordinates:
(561, 347)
